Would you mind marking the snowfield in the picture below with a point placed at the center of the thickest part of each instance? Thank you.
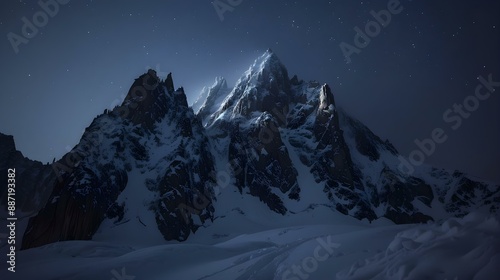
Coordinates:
(458, 248)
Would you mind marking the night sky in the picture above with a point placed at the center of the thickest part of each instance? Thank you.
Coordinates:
(427, 58)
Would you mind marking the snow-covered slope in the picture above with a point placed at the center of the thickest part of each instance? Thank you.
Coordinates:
(345, 248)
(211, 98)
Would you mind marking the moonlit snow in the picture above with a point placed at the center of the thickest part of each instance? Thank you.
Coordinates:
(457, 248)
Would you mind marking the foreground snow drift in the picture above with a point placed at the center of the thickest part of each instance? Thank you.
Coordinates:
(466, 248)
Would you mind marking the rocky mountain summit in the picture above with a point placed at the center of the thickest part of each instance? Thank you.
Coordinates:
(154, 163)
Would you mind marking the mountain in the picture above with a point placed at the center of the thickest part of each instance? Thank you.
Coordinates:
(271, 128)
(210, 97)
(152, 170)
(150, 148)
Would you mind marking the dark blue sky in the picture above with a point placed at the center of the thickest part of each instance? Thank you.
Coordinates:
(84, 59)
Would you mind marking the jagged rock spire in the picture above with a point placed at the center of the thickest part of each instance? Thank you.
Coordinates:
(169, 83)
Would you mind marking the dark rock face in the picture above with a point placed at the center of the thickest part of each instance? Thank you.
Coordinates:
(77, 208)
(34, 180)
(470, 194)
(333, 154)
(86, 190)
(367, 143)
(145, 102)
(125, 139)
(181, 194)
(169, 83)
(330, 159)
(398, 197)
(265, 168)
(186, 188)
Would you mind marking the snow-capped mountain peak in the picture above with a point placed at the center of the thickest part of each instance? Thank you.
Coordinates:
(265, 69)
(217, 89)
(211, 98)
(265, 86)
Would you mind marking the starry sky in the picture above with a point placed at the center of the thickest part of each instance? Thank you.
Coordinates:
(84, 57)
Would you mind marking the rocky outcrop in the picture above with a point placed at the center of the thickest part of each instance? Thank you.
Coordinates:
(185, 186)
(470, 194)
(132, 138)
(34, 181)
(86, 189)
(77, 207)
(264, 166)
(332, 163)
(145, 102)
